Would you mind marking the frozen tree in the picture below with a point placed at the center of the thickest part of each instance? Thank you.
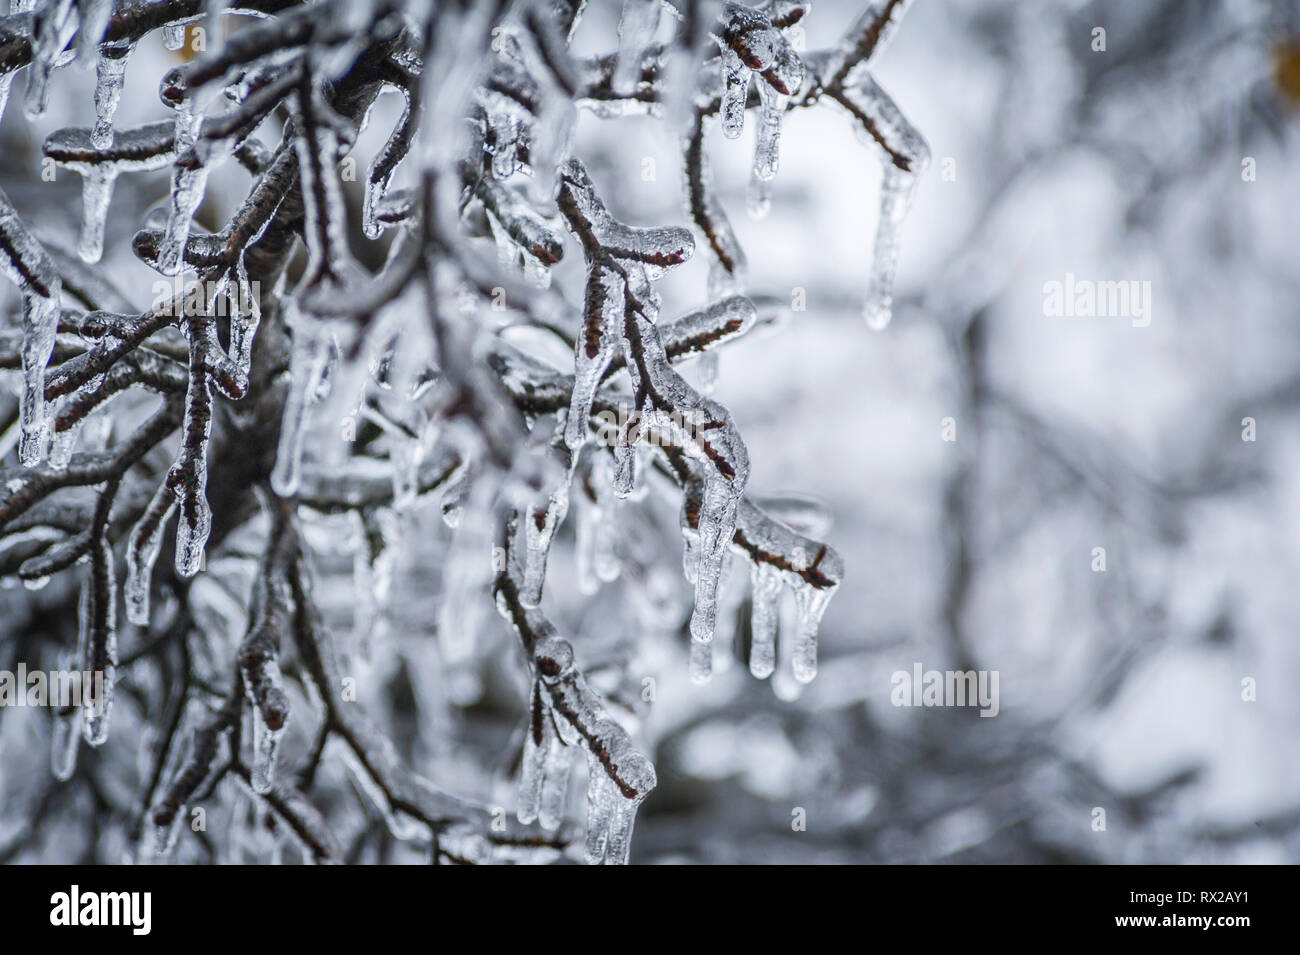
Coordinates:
(308, 381)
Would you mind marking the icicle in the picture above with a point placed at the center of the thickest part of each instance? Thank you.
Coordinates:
(735, 91)
(555, 786)
(597, 530)
(96, 194)
(165, 836)
(142, 552)
(62, 443)
(26, 264)
(99, 623)
(174, 36)
(701, 662)
(192, 529)
(545, 770)
(405, 454)
(266, 746)
(717, 524)
(454, 497)
(307, 369)
(466, 576)
(53, 25)
(110, 74)
(636, 31)
(212, 11)
(505, 129)
(65, 739)
(811, 603)
(65, 733)
(601, 797)
(895, 198)
(532, 771)
(764, 615)
(619, 844)
(372, 569)
(247, 316)
(6, 82)
(94, 15)
(768, 141)
(758, 198)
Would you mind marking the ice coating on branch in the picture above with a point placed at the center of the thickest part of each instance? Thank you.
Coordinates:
(384, 166)
(98, 620)
(564, 712)
(616, 255)
(621, 308)
(613, 797)
(524, 238)
(703, 429)
(188, 477)
(509, 102)
(258, 660)
(752, 44)
(25, 263)
(319, 147)
(867, 37)
(707, 213)
(600, 337)
(904, 155)
(544, 517)
(141, 149)
(142, 549)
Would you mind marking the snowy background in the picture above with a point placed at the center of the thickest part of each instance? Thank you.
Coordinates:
(1120, 689)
